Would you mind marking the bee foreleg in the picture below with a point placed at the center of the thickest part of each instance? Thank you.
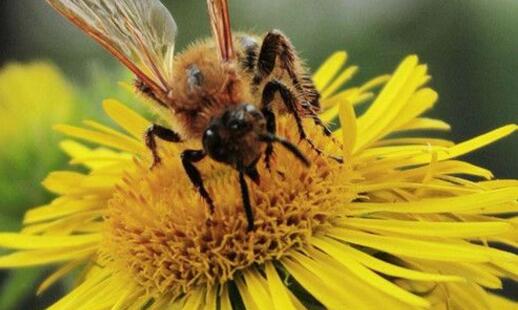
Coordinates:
(189, 157)
(162, 133)
(245, 196)
(288, 145)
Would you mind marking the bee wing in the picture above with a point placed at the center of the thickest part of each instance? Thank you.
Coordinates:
(139, 33)
(220, 22)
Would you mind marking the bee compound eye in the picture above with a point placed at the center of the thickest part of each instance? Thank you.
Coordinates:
(210, 137)
(236, 125)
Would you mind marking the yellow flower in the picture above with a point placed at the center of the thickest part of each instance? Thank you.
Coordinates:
(401, 224)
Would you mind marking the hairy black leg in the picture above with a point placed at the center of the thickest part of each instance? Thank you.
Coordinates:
(188, 158)
(245, 195)
(316, 119)
(271, 128)
(312, 94)
(289, 100)
(269, 138)
(276, 44)
(162, 133)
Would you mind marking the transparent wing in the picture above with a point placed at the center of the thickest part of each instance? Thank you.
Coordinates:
(140, 33)
(220, 23)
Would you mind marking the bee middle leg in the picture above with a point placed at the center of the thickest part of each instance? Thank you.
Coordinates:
(289, 100)
(163, 133)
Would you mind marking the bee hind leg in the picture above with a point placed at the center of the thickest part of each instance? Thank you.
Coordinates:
(163, 133)
(277, 45)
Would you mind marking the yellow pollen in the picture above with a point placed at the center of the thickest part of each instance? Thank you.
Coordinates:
(160, 229)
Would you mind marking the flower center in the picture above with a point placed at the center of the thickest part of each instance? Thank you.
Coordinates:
(161, 230)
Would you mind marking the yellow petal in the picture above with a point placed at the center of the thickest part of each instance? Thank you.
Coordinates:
(390, 92)
(470, 145)
(31, 242)
(256, 286)
(57, 275)
(421, 101)
(468, 296)
(432, 229)
(102, 138)
(280, 296)
(477, 273)
(373, 279)
(67, 182)
(327, 71)
(341, 79)
(353, 292)
(82, 293)
(60, 207)
(247, 298)
(385, 111)
(61, 182)
(225, 303)
(128, 119)
(459, 204)
(194, 300)
(211, 298)
(424, 123)
(93, 159)
(440, 250)
(375, 82)
(499, 302)
(417, 140)
(336, 250)
(44, 257)
(326, 294)
(349, 129)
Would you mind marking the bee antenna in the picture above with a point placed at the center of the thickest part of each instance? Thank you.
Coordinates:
(271, 138)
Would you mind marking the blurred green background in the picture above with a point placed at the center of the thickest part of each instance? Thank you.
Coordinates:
(471, 47)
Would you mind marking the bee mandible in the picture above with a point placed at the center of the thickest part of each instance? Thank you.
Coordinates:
(225, 90)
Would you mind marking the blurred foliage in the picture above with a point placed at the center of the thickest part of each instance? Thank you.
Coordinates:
(470, 46)
(33, 97)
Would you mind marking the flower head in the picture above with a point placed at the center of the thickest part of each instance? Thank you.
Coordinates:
(401, 223)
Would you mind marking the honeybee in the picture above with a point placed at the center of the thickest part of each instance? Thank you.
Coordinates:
(221, 90)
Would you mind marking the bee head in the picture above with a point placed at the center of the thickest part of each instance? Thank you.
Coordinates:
(232, 137)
